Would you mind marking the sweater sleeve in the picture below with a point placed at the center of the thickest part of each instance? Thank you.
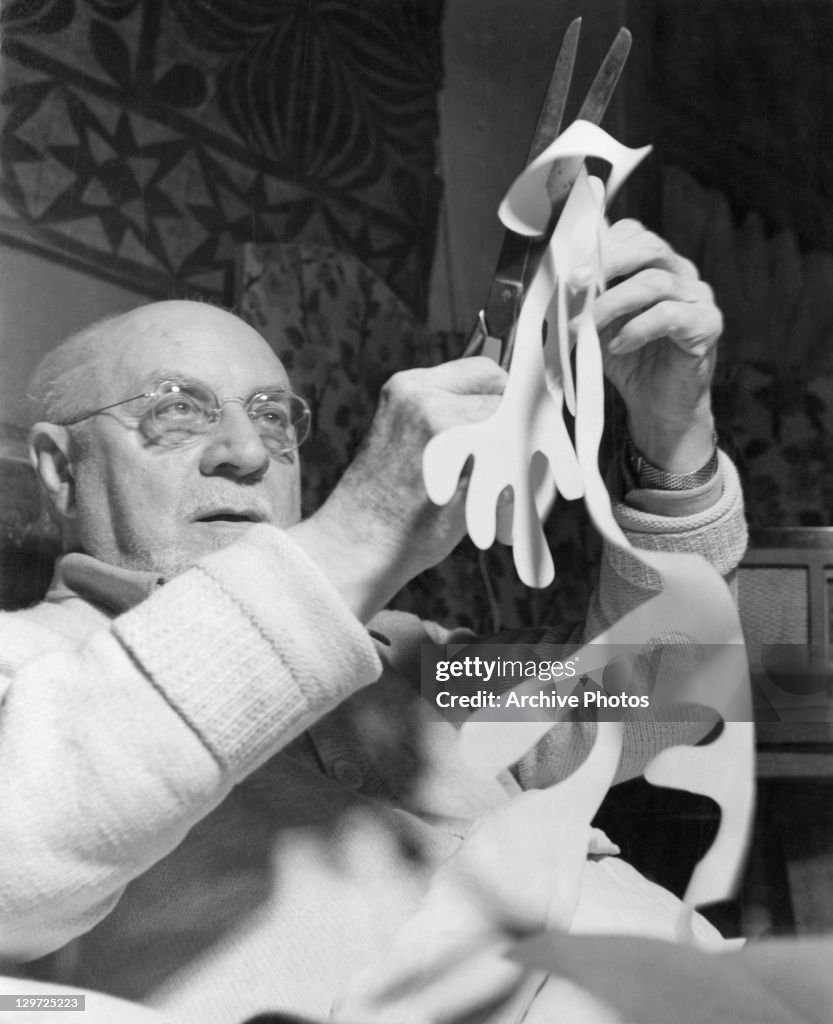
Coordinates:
(656, 522)
(113, 748)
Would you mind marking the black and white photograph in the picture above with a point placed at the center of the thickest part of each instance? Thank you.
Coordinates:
(416, 511)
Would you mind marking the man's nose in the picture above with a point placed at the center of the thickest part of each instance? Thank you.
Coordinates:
(233, 447)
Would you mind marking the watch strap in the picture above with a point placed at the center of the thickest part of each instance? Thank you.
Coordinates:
(647, 475)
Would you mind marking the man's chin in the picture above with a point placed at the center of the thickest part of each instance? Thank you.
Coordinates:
(208, 538)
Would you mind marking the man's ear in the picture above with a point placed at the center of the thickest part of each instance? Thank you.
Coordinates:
(49, 453)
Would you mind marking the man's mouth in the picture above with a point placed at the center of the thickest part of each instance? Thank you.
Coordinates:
(229, 517)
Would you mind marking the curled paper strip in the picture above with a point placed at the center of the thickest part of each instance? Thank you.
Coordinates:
(508, 448)
(526, 208)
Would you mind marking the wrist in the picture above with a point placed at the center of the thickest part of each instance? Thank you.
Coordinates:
(673, 448)
(360, 568)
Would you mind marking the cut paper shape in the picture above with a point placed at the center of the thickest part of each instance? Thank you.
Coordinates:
(529, 419)
(454, 946)
(526, 208)
(694, 600)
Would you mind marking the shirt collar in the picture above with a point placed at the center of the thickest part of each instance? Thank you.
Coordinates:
(112, 589)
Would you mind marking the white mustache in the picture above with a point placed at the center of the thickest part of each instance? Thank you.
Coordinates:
(237, 502)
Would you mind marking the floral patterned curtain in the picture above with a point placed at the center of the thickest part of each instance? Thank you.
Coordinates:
(774, 382)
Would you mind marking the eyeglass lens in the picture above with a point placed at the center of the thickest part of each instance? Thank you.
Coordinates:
(181, 413)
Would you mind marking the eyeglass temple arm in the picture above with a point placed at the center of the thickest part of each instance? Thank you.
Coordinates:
(104, 408)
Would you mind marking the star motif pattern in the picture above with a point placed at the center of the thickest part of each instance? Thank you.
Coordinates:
(138, 145)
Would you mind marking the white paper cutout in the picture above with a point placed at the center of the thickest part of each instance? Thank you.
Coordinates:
(529, 419)
(451, 950)
(526, 207)
(512, 871)
(694, 600)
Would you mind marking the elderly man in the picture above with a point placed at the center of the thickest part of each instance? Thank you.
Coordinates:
(220, 791)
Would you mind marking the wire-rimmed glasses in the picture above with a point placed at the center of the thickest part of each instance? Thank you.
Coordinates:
(179, 413)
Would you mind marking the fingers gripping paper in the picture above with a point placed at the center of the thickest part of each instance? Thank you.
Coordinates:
(525, 446)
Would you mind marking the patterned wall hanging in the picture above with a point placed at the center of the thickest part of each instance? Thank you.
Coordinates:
(143, 140)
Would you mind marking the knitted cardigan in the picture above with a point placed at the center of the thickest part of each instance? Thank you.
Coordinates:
(208, 789)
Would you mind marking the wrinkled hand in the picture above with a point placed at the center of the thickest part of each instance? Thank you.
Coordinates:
(387, 476)
(378, 529)
(659, 328)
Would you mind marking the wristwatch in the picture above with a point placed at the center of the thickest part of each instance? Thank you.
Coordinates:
(648, 475)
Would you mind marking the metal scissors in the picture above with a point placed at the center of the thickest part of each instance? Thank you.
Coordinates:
(519, 256)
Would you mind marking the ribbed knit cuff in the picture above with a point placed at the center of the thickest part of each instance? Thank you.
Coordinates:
(676, 503)
(250, 647)
(718, 533)
(668, 503)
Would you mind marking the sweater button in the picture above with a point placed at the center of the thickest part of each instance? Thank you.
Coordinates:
(348, 774)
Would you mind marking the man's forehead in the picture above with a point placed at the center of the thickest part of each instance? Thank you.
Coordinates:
(195, 341)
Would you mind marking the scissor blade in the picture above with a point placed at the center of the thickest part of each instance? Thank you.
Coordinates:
(598, 96)
(564, 172)
(552, 109)
(505, 293)
(519, 257)
(507, 285)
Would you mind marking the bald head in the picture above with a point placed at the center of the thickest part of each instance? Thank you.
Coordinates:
(78, 374)
(64, 381)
